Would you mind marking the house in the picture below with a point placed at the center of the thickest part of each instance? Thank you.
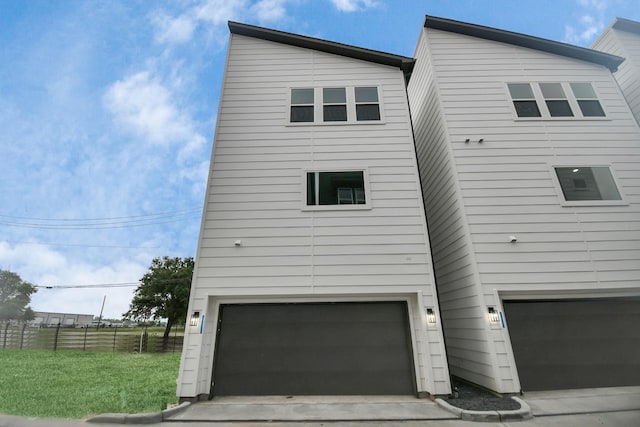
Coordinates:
(529, 157)
(622, 38)
(313, 272)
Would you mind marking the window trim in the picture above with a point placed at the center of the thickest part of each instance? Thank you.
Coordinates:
(318, 106)
(365, 179)
(544, 109)
(574, 203)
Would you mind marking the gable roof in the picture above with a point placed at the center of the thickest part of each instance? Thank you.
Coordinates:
(610, 61)
(404, 63)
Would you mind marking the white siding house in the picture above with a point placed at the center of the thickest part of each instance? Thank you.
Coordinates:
(622, 38)
(529, 158)
(313, 272)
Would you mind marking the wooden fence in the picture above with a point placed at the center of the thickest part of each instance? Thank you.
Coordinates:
(127, 340)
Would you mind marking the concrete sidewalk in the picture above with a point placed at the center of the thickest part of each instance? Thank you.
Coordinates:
(616, 406)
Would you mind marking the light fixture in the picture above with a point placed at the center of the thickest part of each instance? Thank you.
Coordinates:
(431, 316)
(513, 239)
(575, 170)
(195, 318)
(238, 243)
(494, 317)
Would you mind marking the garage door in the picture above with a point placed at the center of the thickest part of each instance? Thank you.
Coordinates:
(313, 349)
(575, 343)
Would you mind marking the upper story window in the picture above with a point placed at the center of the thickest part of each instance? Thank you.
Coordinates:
(335, 105)
(332, 188)
(302, 105)
(367, 105)
(555, 100)
(587, 100)
(587, 183)
(523, 100)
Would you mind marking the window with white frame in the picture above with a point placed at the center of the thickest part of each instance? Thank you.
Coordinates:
(335, 105)
(335, 188)
(302, 105)
(367, 105)
(524, 100)
(587, 183)
(555, 100)
(587, 100)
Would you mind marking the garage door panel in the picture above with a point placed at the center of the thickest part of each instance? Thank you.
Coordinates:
(312, 348)
(575, 343)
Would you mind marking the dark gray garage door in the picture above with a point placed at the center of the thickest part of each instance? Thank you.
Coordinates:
(313, 349)
(575, 343)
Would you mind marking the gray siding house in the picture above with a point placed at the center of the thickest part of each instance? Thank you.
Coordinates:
(622, 38)
(529, 158)
(313, 272)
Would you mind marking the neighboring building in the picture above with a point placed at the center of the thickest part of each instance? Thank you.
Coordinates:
(313, 273)
(530, 165)
(622, 38)
(69, 320)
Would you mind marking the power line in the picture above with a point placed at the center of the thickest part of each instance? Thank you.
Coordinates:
(80, 245)
(101, 219)
(98, 224)
(97, 285)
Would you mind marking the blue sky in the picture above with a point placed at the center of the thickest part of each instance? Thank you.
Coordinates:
(108, 108)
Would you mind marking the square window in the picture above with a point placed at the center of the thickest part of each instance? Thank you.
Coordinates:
(367, 112)
(335, 113)
(335, 188)
(559, 108)
(591, 108)
(334, 95)
(582, 183)
(526, 108)
(520, 90)
(366, 94)
(302, 110)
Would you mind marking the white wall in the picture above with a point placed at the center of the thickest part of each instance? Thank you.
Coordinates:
(256, 191)
(626, 45)
(506, 186)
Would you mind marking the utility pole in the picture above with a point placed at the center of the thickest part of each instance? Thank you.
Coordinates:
(100, 318)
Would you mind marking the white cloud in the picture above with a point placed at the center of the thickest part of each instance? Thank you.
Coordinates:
(212, 16)
(589, 25)
(172, 30)
(43, 266)
(144, 106)
(353, 5)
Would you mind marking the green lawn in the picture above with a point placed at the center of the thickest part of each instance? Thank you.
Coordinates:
(72, 384)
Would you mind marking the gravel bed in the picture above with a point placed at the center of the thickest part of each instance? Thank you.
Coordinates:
(467, 396)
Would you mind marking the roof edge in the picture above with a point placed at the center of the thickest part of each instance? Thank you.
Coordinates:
(605, 59)
(403, 62)
(626, 25)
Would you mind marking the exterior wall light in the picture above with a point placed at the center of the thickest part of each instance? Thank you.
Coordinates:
(431, 316)
(494, 317)
(195, 318)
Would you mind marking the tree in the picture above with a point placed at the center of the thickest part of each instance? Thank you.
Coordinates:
(163, 293)
(15, 295)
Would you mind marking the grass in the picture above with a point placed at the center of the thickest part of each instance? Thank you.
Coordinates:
(73, 384)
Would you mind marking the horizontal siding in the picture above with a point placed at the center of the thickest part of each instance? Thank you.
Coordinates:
(626, 45)
(507, 182)
(458, 292)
